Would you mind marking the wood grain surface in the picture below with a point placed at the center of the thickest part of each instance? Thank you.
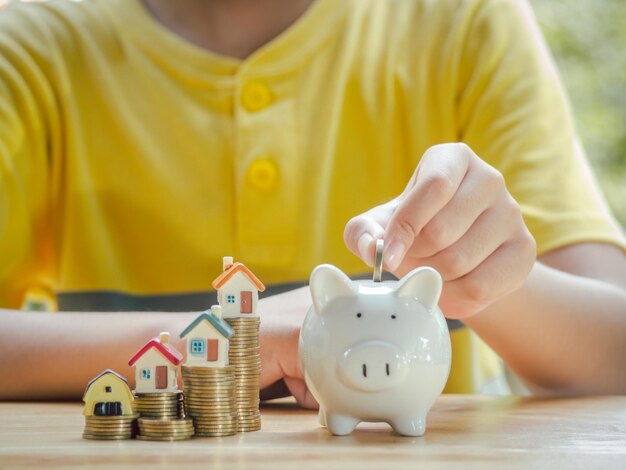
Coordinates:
(462, 432)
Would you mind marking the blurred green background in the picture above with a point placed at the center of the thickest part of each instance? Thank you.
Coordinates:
(588, 41)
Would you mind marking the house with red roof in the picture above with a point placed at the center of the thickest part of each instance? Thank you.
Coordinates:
(237, 290)
(156, 366)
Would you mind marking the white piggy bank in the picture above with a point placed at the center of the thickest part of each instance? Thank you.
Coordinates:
(375, 351)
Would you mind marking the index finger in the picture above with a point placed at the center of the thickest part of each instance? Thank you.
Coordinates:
(438, 176)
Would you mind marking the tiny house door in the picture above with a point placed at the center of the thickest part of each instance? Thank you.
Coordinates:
(160, 379)
(211, 349)
(246, 302)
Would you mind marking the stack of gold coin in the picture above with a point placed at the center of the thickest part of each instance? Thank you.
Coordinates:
(245, 357)
(110, 427)
(165, 430)
(164, 406)
(210, 400)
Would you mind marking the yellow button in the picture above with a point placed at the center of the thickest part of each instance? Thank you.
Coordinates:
(263, 174)
(255, 96)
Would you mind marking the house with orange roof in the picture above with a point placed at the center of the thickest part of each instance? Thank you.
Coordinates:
(237, 290)
(156, 366)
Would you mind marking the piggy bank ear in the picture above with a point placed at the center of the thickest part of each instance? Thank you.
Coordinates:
(329, 283)
(423, 284)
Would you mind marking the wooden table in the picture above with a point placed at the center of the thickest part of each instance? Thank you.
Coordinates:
(463, 432)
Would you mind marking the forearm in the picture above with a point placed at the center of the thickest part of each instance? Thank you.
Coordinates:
(54, 355)
(560, 333)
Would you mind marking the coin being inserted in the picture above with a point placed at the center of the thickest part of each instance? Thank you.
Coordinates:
(378, 262)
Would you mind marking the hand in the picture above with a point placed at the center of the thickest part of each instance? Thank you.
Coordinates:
(457, 216)
(281, 318)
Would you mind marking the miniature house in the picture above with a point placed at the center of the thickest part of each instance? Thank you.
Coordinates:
(237, 290)
(108, 394)
(156, 366)
(207, 339)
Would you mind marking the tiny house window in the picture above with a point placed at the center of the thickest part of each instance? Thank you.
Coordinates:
(145, 373)
(108, 389)
(230, 299)
(197, 347)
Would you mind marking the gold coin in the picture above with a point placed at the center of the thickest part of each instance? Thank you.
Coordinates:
(205, 370)
(167, 407)
(164, 417)
(175, 424)
(208, 402)
(163, 422)
(155, 402)
(167, 425)
(223, 418)
(209, 385)
(190, 383)
(216, 432)
(185, 430)
(167, 432)
(146, 427)
(225, 407)
(112, 418)
(193, 379)
(144, 403)
(205, 400)
(146, 413)
(209, 396)
(163, 438)
(96, 435)
(109, 425)
(159, 397)
(212, 411)
(217, 427)
(249, 422)
(106, 438)
(214, 416)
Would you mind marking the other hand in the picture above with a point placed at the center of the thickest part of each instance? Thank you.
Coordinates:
(457, 216)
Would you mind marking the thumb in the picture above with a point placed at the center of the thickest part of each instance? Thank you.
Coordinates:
(362, 231)
(301, 393)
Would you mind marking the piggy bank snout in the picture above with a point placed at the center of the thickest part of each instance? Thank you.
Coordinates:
(373, 366)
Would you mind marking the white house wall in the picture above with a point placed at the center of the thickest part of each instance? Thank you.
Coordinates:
(150, 360)
(239, 282)
(204, 330)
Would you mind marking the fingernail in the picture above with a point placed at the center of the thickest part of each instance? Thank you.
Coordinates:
(365, 248)
(394, 254)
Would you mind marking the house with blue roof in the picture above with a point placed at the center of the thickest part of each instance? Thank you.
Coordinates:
(207, 339)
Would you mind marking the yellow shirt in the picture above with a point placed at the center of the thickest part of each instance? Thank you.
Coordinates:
(131, 161)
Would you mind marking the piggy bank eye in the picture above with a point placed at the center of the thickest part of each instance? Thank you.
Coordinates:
(393, 317)
(358, 315)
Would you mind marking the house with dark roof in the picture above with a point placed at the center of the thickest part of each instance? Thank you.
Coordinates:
(156, 366)
(207, 339)
(108, 394)
(237, 290)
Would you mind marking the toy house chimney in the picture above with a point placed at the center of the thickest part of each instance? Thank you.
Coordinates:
(216, 310)
(227, 262)
(164, 337)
